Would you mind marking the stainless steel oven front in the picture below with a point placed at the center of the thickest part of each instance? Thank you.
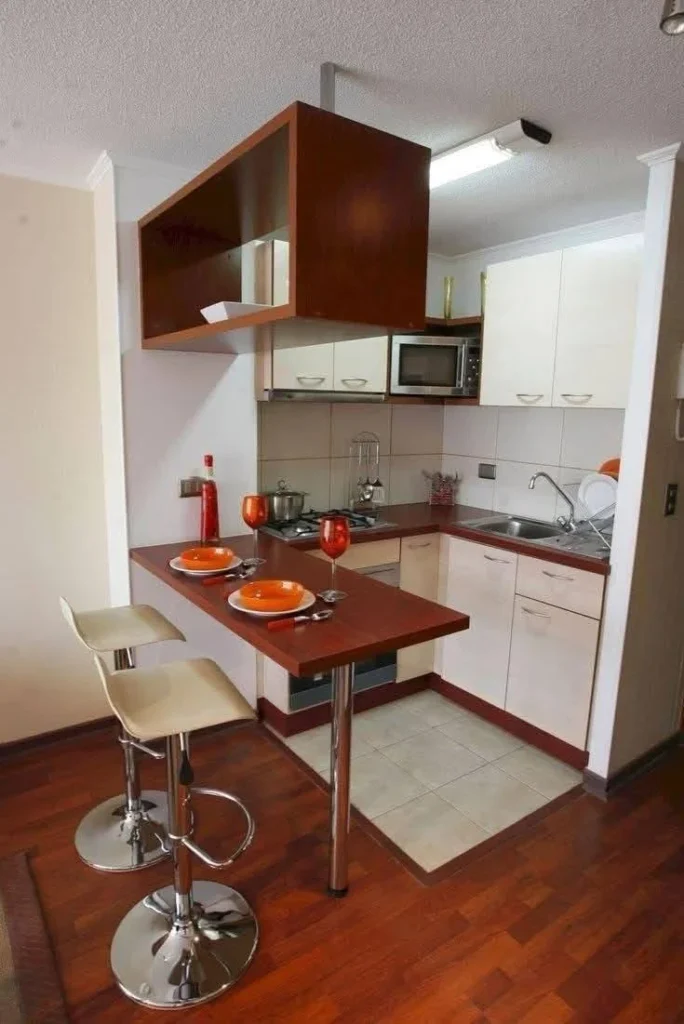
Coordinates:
(443, 366)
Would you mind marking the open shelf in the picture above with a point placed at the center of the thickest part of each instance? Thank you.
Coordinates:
(350, 201)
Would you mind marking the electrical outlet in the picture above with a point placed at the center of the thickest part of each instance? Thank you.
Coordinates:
(190, 487)
(487, 471)
(671, 499)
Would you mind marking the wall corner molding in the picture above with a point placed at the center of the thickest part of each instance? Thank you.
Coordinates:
(662, 155)
(102, 166)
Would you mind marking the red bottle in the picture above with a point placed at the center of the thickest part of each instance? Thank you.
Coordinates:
(209, 523)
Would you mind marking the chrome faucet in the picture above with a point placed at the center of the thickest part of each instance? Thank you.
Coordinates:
(567, 522)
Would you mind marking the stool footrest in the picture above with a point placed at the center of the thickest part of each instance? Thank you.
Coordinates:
(249, 835)
(128, 741)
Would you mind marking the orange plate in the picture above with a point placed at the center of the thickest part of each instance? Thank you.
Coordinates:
(206, 559)
(611, 468)
(271, 595)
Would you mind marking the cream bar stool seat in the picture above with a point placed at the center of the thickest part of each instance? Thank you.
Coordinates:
(125, 832)
(188, 942)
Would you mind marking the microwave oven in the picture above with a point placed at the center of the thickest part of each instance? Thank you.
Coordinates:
(442, 366)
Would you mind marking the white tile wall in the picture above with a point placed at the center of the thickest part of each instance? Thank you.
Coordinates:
(566, 443)
(307, 444)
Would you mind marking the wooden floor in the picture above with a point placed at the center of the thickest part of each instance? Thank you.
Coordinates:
(580, 920)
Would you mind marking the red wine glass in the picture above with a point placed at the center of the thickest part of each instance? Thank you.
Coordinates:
(334, 539)
(255, 514)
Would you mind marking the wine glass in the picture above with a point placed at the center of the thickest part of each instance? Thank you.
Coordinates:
(334, 540)
(255, 514)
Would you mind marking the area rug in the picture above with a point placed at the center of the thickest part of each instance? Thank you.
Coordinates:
(30, 992)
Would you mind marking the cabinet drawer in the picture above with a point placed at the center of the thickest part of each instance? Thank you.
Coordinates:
(551, 669)
(574, 589)
(360, 556)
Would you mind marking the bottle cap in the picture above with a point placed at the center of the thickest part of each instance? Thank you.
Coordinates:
(208, 460)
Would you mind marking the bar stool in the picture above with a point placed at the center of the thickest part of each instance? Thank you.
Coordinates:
(123, 833)
(188, 942)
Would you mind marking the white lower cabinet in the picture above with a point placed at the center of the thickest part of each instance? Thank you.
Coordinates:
(481, 583)
(418, 574)
(551, 670)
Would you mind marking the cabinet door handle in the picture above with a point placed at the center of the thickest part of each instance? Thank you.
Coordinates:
(354, 380)
(313, 380)
(538, 615)
(578, 398)
(528, 399)
(558, 575)
(414, 547)
(504, 561)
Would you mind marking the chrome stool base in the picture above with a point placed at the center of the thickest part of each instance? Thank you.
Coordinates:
(163, 962)
(111, 839)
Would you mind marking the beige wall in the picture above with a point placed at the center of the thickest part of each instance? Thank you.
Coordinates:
(650, 690)
(52, 519)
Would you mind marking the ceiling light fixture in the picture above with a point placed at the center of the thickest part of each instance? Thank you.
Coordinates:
(487, 151)
(672, 19)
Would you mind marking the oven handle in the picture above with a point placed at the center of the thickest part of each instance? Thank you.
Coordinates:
(388, 574)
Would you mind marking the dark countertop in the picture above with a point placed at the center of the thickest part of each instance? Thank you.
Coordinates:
(413, 520)
(373, 619)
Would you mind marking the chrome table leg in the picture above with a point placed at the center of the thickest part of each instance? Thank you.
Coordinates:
(340, 777)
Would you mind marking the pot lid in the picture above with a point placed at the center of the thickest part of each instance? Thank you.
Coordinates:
(283, 491)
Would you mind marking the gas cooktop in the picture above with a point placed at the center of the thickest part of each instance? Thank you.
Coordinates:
(308, 523)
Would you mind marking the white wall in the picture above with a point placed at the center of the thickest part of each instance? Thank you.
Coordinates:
(176, 407)
(638, 692)
(53, 517)
(466, 269)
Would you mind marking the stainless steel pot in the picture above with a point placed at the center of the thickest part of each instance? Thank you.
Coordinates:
(284, 505)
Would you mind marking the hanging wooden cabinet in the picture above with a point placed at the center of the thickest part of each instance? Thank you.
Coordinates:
(351, 202)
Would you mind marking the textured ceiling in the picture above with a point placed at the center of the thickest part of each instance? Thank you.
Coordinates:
(182, 80)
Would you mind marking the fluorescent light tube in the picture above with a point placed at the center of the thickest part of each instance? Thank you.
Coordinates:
(486, 151)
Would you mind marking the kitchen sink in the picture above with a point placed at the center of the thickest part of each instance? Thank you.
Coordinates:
(516, 528)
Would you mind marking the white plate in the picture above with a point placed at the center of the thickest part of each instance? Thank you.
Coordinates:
(225, 310)
(176, 564)
(307, 600)
(597, 492)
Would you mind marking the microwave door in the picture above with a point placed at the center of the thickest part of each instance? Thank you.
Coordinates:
(427, 366)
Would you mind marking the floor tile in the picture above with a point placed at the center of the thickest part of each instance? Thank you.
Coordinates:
(479, 736)
(378, 785)
(387, 724)
(540, 771)
(431, 707)
(430, 831)
(491, 798)
(432, 758)
(314, 746)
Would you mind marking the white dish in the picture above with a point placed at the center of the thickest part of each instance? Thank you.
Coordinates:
(225, 310)
(597, 492)
(176, 564)
(307, 600)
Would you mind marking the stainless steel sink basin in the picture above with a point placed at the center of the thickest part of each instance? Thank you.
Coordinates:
(517, 528)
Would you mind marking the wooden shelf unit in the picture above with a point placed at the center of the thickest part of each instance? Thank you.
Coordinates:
(351, 201)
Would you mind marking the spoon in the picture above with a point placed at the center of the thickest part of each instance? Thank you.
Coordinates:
(236, 574)
(296, 620)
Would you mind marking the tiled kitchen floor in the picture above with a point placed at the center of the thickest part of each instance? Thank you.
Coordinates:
(436, 779)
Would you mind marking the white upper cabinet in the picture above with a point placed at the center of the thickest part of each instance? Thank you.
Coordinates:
(596, 322)
(361, 365)
(519, 342)
(559, 327)
(307, 366)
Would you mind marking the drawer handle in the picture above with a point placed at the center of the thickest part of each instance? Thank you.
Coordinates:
(528, 399)
(578, 398)
(351, 381)
(414, 547)
(558, 575)
(538, 615)
(314, 380)
(504, 561)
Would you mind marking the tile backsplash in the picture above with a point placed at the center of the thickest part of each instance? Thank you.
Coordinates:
(566, 443)
(307, 444)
